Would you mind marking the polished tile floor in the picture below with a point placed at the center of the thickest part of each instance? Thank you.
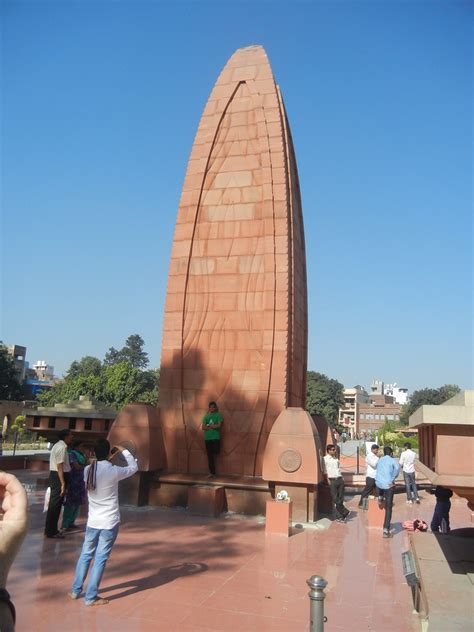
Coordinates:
(172, 571)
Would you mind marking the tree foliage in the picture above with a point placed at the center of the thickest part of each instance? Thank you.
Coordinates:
(324, 396)
(427, 396)
(10, 387)
(114, 383)
(88, 365)
(132, 352)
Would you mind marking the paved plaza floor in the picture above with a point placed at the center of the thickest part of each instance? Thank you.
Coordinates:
(173, 571)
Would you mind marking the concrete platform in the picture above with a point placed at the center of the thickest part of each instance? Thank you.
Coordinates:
(172, 571)
(445, 565)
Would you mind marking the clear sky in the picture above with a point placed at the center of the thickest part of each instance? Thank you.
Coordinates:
(100, 104)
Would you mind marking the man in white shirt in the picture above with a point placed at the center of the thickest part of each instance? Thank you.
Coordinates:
(407, 463)
(59, 469)
(103, 521)
(333, 474)
(371, 460)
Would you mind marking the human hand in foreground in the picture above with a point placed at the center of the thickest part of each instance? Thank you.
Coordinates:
(14, 524)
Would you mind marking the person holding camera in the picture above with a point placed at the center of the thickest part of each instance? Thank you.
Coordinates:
(102, 479)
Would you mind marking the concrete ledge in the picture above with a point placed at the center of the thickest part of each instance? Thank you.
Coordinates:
(235, 482)
(445, 567)
(206, 500)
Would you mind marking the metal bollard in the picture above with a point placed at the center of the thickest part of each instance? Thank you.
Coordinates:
(316, 594)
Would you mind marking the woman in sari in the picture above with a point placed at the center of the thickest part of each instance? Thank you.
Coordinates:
(76, 491)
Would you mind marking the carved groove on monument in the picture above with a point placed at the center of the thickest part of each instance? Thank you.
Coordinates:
(207, 182)
(290, 460)
(204, 311)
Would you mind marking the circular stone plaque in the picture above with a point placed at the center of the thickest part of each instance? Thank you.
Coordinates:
(290, 460)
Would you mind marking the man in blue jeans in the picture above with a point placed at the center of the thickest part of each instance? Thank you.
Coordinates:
(103, 521)
(385, 476)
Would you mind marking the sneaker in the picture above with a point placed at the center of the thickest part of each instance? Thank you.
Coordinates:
(409, 502)
(386, 533)
(98, 601)
(417, 500)
(74, 595)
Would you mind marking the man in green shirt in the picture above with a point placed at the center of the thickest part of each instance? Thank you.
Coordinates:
(211, 424)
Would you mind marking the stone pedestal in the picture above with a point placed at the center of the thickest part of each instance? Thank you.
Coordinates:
(206, 500)
(375, 515)
(278, 517)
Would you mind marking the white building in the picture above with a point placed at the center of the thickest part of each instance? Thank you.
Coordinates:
(399, 394)
(43, 370)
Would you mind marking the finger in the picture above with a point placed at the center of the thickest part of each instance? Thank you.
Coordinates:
(15, 502)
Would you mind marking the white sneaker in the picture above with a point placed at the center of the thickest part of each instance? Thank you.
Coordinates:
(409, 502)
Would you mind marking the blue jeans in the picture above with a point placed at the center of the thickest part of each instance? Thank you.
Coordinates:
(410, 485)
(98, 544)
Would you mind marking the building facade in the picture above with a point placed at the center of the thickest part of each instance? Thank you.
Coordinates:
(354, 398)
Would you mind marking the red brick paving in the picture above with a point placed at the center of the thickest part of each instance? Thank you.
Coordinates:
(172, 571)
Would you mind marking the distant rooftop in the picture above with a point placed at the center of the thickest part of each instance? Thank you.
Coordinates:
(457, 410)
(85, 406)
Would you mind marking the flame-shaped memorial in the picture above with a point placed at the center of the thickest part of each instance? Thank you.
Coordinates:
(235, 323)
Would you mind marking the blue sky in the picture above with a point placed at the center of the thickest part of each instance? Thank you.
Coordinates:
(100, 104)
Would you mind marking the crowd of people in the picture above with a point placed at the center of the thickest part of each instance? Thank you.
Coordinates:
(380, 481)
(79, 472)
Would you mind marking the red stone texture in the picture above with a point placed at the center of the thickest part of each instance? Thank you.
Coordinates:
(293, 449)
(137, 427)
(278, 517)
(235, 325)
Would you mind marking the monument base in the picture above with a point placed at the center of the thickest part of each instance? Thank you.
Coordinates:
(134, 490)
(206, 500)
(304, 499)
(242, 494)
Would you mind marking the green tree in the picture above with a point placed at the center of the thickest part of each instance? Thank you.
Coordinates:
(149, 386)
(113, 356)
(116, 386)
(132, 352)
(324, 396)
(427, 396)
(88, 365)
(10, 387)
(18, 428)
(71, 388)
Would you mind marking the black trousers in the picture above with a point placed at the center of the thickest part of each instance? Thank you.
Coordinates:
(213, 447)
(337, 493)
(387, 495)
(369, 487)
(440, 520)
(55, 504)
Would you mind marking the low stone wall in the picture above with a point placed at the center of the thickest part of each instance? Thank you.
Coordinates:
(36, 463)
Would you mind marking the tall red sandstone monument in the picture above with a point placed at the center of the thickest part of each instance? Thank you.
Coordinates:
(235, 324)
